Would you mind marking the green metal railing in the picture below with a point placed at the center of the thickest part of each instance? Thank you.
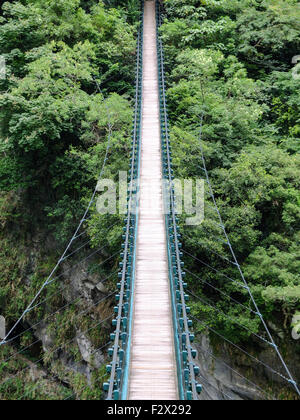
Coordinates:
(117, 386)
(187, 369)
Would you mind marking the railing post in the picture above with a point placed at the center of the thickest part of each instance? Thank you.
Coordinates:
(119, 351)
(189, 389)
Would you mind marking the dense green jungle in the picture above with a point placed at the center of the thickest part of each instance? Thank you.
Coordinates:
(232, 75)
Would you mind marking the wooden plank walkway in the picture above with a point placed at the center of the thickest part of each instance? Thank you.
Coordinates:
(152, 373)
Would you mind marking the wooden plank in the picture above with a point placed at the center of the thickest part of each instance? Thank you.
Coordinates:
(153, 368)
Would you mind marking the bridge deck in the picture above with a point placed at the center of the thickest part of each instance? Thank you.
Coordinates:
(153, 368)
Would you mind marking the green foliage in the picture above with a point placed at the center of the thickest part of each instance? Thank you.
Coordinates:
(55, 128)
(51, 116)
(271, 35)
(232, 61)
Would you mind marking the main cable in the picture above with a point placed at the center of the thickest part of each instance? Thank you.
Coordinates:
(61, 259)
(272, 342)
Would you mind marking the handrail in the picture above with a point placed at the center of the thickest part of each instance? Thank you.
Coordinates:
(189, 388)
(120, 337)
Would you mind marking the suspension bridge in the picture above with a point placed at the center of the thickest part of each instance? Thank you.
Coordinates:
(152, 349)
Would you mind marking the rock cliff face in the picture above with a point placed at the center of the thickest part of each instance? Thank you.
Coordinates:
(80, 284)
(59, 356)
(227, 374)
(222, 370)
(219, 380)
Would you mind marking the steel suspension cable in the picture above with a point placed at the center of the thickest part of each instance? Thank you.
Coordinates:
(81, 360)
(217, 359)
(220, 291)
(272, 342)
(120, 336)
(61, 259)
(76, 300)
(255, 359)
(56, 349)
(188, 365)
(58, 292)
(229, 318)
(214, 269)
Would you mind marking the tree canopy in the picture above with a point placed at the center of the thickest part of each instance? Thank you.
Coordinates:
(232, 61)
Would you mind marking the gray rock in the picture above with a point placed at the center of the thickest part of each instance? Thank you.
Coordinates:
(82, 284)
(220, 381)
(88, 353)
(100, 286)
(41, 331)
(278, 331)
